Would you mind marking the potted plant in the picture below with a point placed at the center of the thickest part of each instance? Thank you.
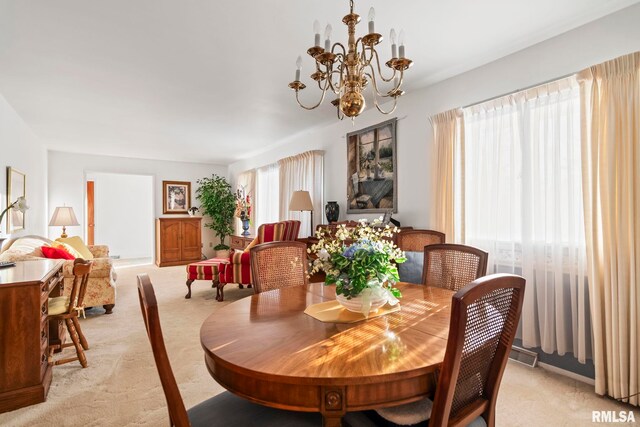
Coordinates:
(361, 262)
(219, 203)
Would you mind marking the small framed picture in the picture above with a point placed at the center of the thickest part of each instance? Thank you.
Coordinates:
(176, 197)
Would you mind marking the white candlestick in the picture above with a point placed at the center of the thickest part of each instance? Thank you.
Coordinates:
(394, 51)
(372, 17)
(317, 40)
(401, 51)
(327, 45)
(298, 68)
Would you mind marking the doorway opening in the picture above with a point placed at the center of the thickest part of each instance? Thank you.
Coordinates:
(120, 215)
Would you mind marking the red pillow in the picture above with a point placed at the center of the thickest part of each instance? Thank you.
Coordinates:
(56, 253)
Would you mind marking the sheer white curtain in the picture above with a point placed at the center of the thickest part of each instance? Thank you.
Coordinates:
(523, 204)
(302, 172)
(267, 194)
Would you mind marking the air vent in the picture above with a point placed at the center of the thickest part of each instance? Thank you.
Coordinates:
(526, 357)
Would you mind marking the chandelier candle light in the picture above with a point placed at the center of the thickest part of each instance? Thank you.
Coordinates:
(346, 71)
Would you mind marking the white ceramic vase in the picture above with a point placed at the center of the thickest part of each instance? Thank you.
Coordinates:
(355, 304)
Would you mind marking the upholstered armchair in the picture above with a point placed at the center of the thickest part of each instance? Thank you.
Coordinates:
(238, 270)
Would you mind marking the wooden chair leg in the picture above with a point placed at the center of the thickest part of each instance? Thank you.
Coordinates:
(83, 340)
(188, 295)
(220, 292)
(76, 342)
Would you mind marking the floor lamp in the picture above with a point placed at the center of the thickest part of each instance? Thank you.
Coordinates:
(301, 201)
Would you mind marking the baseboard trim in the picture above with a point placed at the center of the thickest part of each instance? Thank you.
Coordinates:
(566, 373)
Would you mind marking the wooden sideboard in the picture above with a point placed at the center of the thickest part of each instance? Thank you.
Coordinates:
(25, 372)
(178, 241)
(240, 242)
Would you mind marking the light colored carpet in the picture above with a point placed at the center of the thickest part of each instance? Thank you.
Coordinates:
(121, 385)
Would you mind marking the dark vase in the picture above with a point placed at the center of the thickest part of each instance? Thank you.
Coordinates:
(245, 227)
(332, 211)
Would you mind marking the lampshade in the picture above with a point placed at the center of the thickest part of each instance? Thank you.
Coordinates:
(63, 216)
(301, 201)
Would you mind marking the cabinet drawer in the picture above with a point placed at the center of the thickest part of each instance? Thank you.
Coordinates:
(237, 242)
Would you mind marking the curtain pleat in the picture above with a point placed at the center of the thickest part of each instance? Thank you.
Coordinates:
(611, 182)
(302, 172)
(447, 205)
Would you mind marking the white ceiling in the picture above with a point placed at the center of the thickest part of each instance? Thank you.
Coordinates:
(206, 81)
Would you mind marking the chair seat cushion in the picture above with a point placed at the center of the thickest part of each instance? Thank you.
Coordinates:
(205, 270)
(408, 414)
(58, 305)
(399, 416)
(411, 270)
(229, 410)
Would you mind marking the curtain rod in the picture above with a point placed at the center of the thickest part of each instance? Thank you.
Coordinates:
(521, 90)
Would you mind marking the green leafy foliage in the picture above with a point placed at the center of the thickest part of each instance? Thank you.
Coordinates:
(369, 261)
(219, 203)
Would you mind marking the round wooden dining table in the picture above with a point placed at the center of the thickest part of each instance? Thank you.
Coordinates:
(266, 349)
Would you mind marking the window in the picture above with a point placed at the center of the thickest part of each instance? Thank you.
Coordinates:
(267, 194)
(521, 188)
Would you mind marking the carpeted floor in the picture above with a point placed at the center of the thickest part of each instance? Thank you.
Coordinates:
(121, 385)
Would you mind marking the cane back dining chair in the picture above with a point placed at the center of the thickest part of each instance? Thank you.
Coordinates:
(238, 269)
(67, 309)
(484, 319)
(453, 266)
(222, 410)
(278, 265)
(416, 240)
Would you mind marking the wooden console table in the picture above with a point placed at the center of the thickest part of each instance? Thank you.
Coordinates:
(25, 372)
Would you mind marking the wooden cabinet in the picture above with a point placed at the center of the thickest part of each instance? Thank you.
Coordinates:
(25, 372)
(178, 241)
(240, 242)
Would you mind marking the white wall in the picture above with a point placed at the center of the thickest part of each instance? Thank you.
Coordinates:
(21, 149)
(67, 172)
(124, 213)
(598, 41)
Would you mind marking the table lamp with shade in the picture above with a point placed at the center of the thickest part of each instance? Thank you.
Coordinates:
(63, 216)
(301, 201)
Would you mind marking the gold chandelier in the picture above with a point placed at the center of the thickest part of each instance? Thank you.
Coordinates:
(348, 71)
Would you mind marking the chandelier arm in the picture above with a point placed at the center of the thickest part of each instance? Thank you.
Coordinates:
(375, 84)
(340, 45)
(395, 104)
(324, 92)
(375, 52)
(334, 87)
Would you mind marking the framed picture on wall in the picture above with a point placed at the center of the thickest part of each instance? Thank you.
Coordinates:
(176, 197)
(16, 187)
(371, 169)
